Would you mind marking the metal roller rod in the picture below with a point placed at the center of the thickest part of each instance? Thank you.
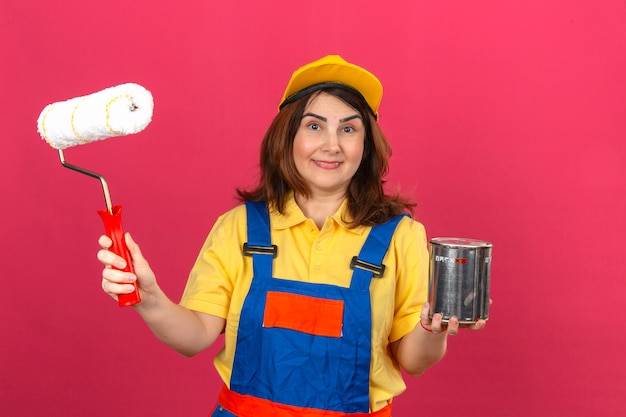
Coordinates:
(105, 187)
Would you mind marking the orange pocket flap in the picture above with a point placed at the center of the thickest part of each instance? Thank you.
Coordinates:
(316, 316)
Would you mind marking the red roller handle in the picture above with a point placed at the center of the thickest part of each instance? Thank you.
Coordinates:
(113, 229)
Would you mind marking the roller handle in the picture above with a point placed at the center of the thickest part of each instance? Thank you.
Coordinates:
(113, 229)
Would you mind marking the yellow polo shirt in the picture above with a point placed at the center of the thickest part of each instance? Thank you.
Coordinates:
(221, 277)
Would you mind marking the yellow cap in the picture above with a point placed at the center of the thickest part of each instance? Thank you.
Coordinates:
(333, 69)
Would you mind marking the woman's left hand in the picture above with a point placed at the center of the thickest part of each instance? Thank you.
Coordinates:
(451, 327)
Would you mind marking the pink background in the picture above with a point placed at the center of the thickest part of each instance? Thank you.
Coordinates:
(508, 123)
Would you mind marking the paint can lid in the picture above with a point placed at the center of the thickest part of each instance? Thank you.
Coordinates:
(460, 242)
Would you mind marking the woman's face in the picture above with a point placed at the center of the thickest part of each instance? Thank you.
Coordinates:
(328, 146)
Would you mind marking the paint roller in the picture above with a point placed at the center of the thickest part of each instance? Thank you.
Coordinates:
(116, 111)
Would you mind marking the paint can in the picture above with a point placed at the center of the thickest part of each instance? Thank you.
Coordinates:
(459, 278)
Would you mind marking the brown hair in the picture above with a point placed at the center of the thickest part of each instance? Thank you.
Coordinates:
(367, 202)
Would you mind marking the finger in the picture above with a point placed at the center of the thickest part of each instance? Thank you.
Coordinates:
(135, 252)
(436, 323)
(114, 289)
(105, 242)
(131, 244)
(453, 326)
(480, 324)
(107, 257)
(424, 314)
(117, 276)
(110, 259)
(115, 282)
(425, 319)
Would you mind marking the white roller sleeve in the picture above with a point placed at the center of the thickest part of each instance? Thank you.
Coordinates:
(116, 111)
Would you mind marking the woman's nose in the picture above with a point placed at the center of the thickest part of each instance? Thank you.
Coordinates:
(331, 142)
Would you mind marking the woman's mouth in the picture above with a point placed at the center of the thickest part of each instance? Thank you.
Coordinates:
(327, 164)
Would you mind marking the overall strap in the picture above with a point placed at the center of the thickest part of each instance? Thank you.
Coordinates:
(369, 262)
(259, 244)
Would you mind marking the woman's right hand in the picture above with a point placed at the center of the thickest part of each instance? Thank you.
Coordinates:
(188, 332)
(115, 281)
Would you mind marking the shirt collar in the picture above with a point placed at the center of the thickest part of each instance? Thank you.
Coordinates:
(293, 216)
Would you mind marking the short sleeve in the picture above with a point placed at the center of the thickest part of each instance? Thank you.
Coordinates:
(411, 290)
(212, 279)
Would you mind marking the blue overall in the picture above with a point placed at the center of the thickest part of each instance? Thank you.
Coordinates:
(295, 368)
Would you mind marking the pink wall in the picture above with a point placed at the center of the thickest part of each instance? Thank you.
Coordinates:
(508, 123)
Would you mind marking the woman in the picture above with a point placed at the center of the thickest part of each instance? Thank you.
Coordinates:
(319, 281)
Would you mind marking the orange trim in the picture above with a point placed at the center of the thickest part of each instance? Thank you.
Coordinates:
(316, 316)
(246, 406)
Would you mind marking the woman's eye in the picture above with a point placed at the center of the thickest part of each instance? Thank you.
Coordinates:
(314, 126)
(348, 129)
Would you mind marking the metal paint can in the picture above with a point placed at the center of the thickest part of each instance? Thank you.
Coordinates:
(459, 275)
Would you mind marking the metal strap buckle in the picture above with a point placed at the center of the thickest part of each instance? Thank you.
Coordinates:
(377, 270)
(250, 250)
